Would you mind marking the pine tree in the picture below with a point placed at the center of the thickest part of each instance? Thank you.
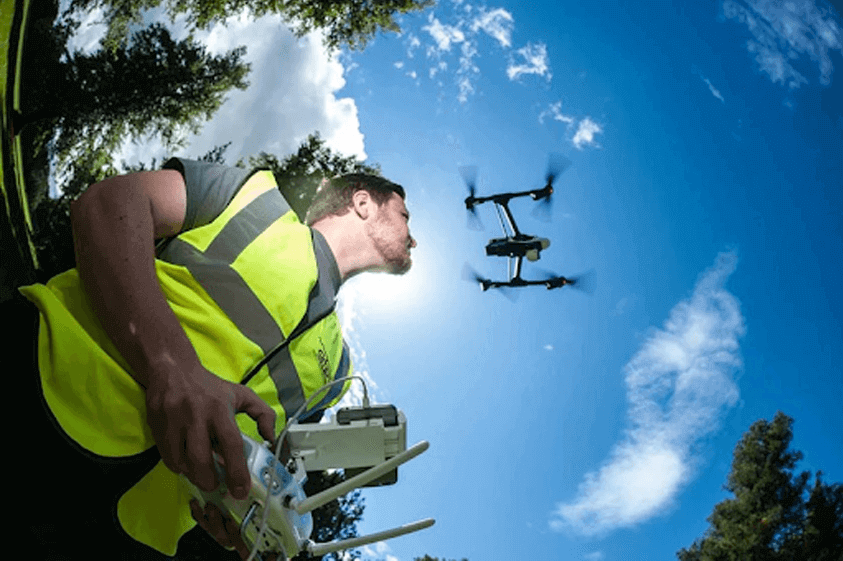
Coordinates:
(769, 517)
(299, 174)
(350, 23)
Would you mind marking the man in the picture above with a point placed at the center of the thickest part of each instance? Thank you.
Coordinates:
(147, 350)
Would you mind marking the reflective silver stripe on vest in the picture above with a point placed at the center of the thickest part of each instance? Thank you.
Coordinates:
(212, 270)
(322, 299)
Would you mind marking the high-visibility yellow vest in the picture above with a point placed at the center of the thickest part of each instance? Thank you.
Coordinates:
(239, 286)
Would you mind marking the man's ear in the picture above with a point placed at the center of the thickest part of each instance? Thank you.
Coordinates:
(362, 203)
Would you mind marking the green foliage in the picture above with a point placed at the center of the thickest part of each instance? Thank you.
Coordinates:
(350, 23)
(156, 86)
(336, 520)
(300, 174)
(769, 517)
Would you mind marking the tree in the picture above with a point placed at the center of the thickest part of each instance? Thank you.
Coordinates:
(769, 517)
(336, 520)
(155, 86)
(350, 23)
(300, 174)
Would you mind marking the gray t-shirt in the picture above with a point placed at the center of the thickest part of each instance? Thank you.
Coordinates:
(210, 187)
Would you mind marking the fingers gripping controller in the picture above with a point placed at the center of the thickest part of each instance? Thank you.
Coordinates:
(275, 516)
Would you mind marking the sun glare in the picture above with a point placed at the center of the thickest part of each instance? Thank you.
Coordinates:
(378, 293)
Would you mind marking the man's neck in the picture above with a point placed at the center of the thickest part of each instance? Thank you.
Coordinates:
(351, 249)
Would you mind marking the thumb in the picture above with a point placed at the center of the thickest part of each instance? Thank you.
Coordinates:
(248, 402)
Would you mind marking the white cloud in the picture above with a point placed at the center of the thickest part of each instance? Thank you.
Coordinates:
(463, 26)
(586, 129)
(679, 384)
(443, 34)
(292, 93)
(594, 556)
(714, 91)
(466, 70)
(441, 66)
(585, 133)
(399, 64)
(90, 32)
(554, 111)
(379, 551)
(496, 23)
(413, 44)
(783, 32)
(535, 62)
(548, 347)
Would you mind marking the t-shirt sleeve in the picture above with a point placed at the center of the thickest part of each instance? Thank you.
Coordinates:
(210, 187)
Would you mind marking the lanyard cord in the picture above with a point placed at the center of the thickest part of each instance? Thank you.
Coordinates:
(300, 328)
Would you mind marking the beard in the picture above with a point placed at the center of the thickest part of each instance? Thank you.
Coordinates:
(396, 254)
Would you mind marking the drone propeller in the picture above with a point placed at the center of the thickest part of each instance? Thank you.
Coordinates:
(469, 175)
(470, 275)
(584, 282)
(556, 165)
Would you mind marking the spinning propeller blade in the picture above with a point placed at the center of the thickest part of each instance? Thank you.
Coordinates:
(470, 275)
(469, 175)
(556, 165)
(584, 282)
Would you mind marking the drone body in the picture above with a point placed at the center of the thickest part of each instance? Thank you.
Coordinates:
(515, 244)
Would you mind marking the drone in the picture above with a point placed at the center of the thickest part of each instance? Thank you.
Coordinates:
(515, 244)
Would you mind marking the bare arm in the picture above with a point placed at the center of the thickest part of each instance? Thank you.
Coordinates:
(115, 223)
(189, 409)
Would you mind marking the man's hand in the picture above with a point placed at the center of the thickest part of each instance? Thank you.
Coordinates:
(191, 415)
(222, 528)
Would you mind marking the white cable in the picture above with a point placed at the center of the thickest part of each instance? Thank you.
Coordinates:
(280, 440)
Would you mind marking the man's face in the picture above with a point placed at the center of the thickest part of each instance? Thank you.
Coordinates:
(390, 232)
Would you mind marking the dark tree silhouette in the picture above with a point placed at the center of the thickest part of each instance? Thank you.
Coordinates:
(769, 517)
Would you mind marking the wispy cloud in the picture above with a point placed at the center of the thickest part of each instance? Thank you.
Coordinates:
(379, 550)
(413, 43)
(444, 35)
(594, 556)
(714, 91)
(585, 129)
(585, 133)
(554, 111)
(783, 32)
(467, 25)
(535, 61)
(678, 386)
(496, 23)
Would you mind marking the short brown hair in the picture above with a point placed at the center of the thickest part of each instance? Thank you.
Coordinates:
(333, 197)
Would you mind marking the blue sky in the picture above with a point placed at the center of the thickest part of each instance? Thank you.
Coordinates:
(705, 191)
